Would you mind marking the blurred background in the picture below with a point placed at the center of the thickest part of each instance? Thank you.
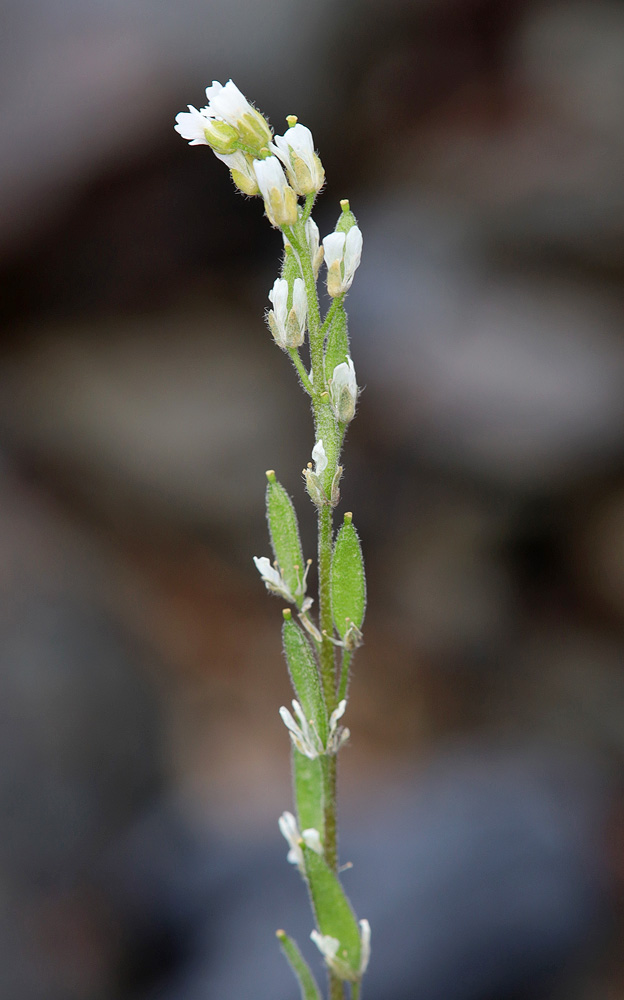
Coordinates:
(481, 144)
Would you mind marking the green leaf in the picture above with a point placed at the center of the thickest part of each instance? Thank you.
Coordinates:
(285, 537)
(337, 349)
(305, 676)
(307, 982)
(333, 911)
(308, 781)
(348, 583)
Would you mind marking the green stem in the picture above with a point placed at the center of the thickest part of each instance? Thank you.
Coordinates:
(307, 208)
(326, 653)
(336, 988)
(331, 312)
(344, 673)
(303, 375)
(297, 239)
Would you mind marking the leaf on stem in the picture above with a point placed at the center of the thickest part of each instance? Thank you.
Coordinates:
(307, 982)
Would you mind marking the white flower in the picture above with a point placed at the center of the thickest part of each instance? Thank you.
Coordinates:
(342, 256)
(319, 458)
(303, 734)
(227, 102)
(343, 391)
(288, 325)
(312, 477)
(191, 125)
(328, 947)
(273, 579)
(337, 736)
(242, 171)
(290, 831)
(280, 201)
(296, 151)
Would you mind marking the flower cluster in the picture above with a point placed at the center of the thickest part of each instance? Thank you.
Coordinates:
(329, 948)
(290, 831)
(275, 583)
(242, 139)
(280, 168)
(304, 733)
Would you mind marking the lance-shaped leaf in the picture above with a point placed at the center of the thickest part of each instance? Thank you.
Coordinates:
(334, 915)
(308, 781)
(348, 583)
(307, 982)
(285, 537)
(337, 349)
(305, 677)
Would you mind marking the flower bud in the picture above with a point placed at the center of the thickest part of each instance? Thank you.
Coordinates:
(343, 391)
(287, 318)
(343, 253)
(296, 151)
(313, 481)
(227, 102)
(280, 201)
(241, 170)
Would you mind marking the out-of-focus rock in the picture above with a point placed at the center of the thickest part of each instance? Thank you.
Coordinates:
(160, 414)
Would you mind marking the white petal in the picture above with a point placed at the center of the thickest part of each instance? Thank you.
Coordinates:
(300, 300)
(334, 248)
(365, 936)
(319, 457)
(279, 297)
(269, 174)
(353, 252)
(227, 102)
(268, 572)
(303, 722)
(299, 139)
(312, 839)
(337, 714)
(327, 945)
(312, 236)
(190, 125)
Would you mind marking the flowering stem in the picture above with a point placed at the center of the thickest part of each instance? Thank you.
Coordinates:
(344, 673)
(297, 238)
(336, 989)
(307, 208)
(331, 312)
(303, 375)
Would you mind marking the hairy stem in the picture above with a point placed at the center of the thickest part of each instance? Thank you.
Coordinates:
(303, 375)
